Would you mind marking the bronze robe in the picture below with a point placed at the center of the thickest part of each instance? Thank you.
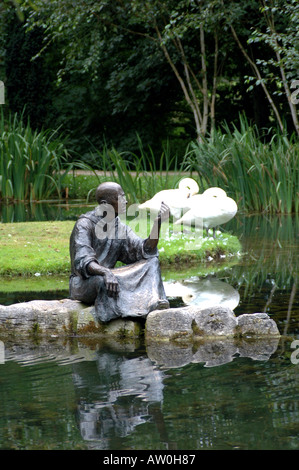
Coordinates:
(140, 284)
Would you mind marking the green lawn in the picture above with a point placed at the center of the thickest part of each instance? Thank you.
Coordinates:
(35, 248)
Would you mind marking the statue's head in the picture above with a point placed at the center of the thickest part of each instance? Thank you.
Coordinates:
(111, 194)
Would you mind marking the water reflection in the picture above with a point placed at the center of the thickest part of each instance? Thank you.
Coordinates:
(204, 292)
(2, 352)
(118, 396)
(212, 395)
(43, 211)
(125, 398)
(211, 353)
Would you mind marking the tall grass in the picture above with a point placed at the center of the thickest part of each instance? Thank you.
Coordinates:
(139, 174)
(261, 172)
(30, 161)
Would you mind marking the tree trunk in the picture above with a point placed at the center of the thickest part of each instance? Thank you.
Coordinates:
(205, 92)
(276, 47)
(213, 99)
(288, 95)
(189, 95)
(259, 77)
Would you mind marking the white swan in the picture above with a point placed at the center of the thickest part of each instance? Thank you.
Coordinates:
(210, 209)
(176, 199)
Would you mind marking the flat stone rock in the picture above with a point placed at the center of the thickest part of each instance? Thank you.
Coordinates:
(69, 317)
(214, 321)
(61, 318)
(256, 324)
(185, 323)
(53, 316)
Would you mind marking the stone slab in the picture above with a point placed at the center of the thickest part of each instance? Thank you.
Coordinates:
(194, 323)
(69, 317)
(60, 318)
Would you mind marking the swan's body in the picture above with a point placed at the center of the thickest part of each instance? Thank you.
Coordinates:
(176, 199)
(210, 209)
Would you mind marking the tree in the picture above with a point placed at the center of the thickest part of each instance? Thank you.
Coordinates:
(106, 79)
(284, 44)
(178, 29)
(158, 68)
(28, 83)
(277, 29)
(174, 27)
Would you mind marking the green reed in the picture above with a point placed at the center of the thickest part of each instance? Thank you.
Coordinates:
(261, 172)
(30, 161)
(139, 174)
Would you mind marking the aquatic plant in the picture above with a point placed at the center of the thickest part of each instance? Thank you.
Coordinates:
(30, 161)
(259, 171)
(138, 174)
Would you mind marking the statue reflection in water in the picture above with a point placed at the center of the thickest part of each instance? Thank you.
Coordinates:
(120, 392)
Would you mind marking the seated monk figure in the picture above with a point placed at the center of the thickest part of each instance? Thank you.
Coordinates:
(99, 239)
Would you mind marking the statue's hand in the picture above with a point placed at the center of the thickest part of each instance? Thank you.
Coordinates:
(110, 280)
(164, 212)
(111, 283)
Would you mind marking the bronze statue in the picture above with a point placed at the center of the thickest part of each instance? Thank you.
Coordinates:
(99, 239)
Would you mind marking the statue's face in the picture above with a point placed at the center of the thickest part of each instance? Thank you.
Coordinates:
(111, 198)
(118, 201)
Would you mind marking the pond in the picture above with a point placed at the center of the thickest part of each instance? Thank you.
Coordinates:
(81, 394)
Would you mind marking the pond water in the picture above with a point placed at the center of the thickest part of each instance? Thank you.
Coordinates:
(80, 394)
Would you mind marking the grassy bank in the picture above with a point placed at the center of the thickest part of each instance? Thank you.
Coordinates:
(39, 248)
(35, 248)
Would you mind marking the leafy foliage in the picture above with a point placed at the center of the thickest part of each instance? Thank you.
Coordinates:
(29, 83)
(126, 46)
(133, 71)
(31, 162)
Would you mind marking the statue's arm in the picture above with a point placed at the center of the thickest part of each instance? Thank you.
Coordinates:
(151, 242)
(84, 256)
(111, 283)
